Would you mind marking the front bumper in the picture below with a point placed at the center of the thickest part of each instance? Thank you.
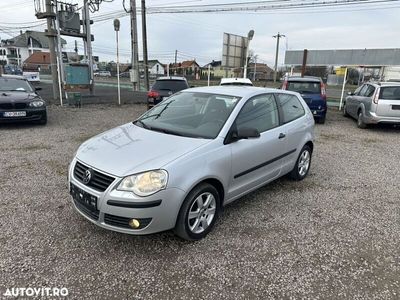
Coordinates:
(157, 212)
(373, 118)
(32, 114)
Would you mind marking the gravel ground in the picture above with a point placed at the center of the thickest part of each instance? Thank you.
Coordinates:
(334, 235)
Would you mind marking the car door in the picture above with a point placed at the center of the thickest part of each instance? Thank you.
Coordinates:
(353, 102)
(255, 161)
(292, 115)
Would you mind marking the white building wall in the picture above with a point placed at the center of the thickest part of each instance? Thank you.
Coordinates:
(153, 70)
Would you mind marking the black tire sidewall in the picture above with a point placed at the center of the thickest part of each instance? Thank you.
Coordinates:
(295, 172)
(181, 227)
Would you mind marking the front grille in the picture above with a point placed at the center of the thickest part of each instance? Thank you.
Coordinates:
(99, 181)
(124, 222)
(13, 105)
(91, 213)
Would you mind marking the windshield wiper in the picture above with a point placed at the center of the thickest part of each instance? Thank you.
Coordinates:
(167, 131)
(141, 124)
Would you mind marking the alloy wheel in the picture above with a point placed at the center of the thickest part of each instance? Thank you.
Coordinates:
(201, 212)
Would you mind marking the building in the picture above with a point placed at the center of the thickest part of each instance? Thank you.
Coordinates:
(185, 68)
(217, 71)
(154, 66)
(258, 71)
(16, 50)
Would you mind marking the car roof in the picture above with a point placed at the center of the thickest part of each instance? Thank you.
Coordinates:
(234, 80)
(388, 83)
(236, 91)
(12, 76)
(305, 78)
(171, 78)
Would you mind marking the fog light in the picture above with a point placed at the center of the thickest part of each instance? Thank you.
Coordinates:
(134, 223)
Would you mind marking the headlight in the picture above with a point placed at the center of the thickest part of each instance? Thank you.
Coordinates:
(145, 184)
(36, 103)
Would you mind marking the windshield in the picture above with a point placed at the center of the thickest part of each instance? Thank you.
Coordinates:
(191, 114)
(12, 84)
(304, 87)
(390, 93)
(237, 83)
(170, 85)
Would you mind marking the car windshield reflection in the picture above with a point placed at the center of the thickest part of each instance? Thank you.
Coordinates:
(190, 114)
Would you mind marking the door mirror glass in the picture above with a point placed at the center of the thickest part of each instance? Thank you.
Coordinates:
(350, 93)
(247, 132)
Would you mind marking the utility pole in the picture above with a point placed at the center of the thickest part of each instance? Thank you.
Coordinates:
(76, 47)
(52, 47)
(144, 36)
(278, 36)
(88, 44)
(175, 65)
(134, 46)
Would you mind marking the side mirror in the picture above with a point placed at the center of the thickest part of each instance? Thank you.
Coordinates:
(38, 88)
(247, 133)
(350, 93)
(240, 134)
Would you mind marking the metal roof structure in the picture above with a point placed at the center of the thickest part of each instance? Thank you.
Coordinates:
(350, 57)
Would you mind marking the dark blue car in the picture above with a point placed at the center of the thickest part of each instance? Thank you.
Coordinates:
(312, 89)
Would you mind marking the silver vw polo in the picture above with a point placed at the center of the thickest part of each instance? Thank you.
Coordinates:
(177, 165)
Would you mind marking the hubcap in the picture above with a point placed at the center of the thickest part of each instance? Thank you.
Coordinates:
(201, 212)
(304, 163)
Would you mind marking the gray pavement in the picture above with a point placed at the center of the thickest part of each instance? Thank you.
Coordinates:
(334, 235)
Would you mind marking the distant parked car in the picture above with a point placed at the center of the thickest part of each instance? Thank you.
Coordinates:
(102, 73)
(313, 91)
(19, 101)
(164, 87)
(181, 162)
(125, 75)
(373, 103)
(236, 81)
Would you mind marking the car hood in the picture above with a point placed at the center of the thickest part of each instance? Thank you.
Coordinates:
(129, 149)
(6, 97)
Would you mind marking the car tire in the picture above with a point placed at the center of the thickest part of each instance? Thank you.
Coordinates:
(43, 120)
(198, 213)
(360, 121)
(321, 120)
(303, 164)
(345, 114)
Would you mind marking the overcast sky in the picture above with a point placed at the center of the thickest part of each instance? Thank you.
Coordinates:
(199, 35)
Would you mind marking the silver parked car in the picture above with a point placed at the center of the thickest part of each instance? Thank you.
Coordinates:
(373, 103)
(177, 165)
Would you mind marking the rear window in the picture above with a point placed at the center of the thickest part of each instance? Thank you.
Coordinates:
(390, 93)
(170, 85)
(304, 87)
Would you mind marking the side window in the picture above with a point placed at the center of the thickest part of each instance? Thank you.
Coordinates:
(370, 91)
(291, 106)
(260, 112)
(357, 91)
(363, 90)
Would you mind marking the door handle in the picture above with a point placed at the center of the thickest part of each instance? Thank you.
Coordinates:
(282, 135)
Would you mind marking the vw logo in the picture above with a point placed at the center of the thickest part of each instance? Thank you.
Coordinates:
(87, 176)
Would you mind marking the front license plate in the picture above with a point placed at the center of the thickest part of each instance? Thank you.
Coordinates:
(14, 114)
(83, 197)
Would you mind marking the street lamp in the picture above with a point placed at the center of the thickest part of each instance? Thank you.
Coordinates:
(249, 38)
(116, 28)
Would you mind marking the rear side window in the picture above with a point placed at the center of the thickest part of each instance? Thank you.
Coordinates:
(304, 87)
(291, 107)
(390, 93)
(170, 85)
